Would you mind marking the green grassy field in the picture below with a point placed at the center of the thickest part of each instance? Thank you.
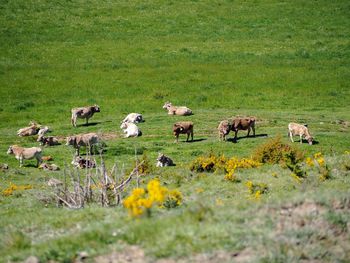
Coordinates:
(277, 60)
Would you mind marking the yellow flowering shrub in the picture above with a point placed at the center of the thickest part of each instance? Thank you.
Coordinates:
(256, 189)
(13, 187)
(318, 161)
(213, 163)
(142, 200)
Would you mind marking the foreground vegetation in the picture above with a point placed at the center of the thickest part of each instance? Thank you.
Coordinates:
(279, 61)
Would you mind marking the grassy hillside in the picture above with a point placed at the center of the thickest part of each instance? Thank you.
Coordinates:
(280, 61)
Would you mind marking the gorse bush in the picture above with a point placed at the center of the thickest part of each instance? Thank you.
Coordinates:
(276, 152)
(256, 189)
(13, 187)
(213, 163)
(142, 200)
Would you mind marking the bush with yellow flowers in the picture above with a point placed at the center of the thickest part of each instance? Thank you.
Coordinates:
(256, 189)
(13, 187)
(318, 162)
(234, 163)
(208, 163)
(142, 200)
(213, 163)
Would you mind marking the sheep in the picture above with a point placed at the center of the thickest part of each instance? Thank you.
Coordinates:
(224, 129)
(22, 153)
(163, 160)
(183, 127)
(48, 141)
(88, 139)
(247, 123)
(133, 118)
(174, 110)
(83, 113)
(301, 130)
(130, 129)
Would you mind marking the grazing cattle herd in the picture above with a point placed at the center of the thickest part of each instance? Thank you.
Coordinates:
(129, 127)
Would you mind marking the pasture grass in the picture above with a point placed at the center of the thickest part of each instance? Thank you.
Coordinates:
(279, 61)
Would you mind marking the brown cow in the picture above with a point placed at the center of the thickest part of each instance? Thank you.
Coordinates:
(88, 139)
(183, 127)
(83, 113)
(247, 123)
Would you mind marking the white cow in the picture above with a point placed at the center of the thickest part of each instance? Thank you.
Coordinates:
(133, 118)
(130, 129)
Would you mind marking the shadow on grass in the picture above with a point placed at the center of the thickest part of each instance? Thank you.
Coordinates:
(196, 140)
(89, 124)
(313, 142)
(262, 135)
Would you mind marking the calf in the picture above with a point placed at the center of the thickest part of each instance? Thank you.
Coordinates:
(88, 139)
(301, 130)
(163, 160)
(43, 131)
(183, 127)
(83, 113)
(174, 110)
(22, 153)
(47, 141)
(28, 131)
(243, 124)
(130, 129)
(80, 162)
(133, 118)
(224, 129)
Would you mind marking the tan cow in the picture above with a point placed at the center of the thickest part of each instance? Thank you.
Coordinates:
(247, 123)
(175, 110)
(22, 153)
(224, 129)
(83, 113)
(183, 127)
(28, 131)
(88, 139)
(300, 130)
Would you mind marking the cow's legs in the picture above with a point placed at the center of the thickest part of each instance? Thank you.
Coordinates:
(248, 132)
(20, 161)
(301, 138)
(291, 136)
(253, 128)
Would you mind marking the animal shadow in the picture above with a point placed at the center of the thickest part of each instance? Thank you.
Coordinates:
(90, 124)
(233, 140)
(313, 142)
(196, 140)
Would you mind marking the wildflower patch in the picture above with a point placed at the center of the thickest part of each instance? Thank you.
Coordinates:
(256, 189)
(13, 187)
(142, 200)
(213, 163)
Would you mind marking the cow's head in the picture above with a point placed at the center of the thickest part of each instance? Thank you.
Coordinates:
(10, 150)
(178, 128)
(71, 140)
(167, 105)
(309, 139)
(124, 125)
(96, 108)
